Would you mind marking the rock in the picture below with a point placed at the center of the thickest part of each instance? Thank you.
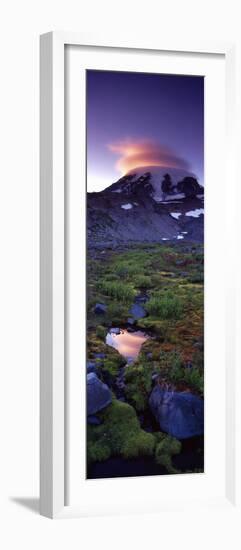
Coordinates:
(189, 186)
(100, 309)
(115, 330)
(180, 414)
(149, 355)
(130, 321)
(137, 311)
(93, 420)
(98, 394)
(91, 367)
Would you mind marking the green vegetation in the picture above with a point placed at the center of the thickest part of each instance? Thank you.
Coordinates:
(111, 361)
(166, 448)
(172, 277)
(118, 290)
(197, 277)
(190, 375)
(165, 305)
(120, 434)
(142, 281)
(100, 332)
(169, 368)
(111, 366)
(138, 384)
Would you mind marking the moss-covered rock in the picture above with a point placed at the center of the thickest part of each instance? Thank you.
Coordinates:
(166, 448)
(119, 434)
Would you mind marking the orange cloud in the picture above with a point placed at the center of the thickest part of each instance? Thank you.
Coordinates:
(135, 154)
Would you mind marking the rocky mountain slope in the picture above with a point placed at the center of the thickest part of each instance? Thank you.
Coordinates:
(150, 204)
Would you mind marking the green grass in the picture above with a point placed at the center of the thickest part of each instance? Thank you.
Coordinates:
(175, 312)
(143, 281)
(165, 305)
(120, 291)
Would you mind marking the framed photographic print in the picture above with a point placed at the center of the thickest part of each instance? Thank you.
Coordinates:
(138, 197)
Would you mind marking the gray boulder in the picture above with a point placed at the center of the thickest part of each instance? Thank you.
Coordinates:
(91, 367)
(100, 309)
(98, 394)
(180, 414)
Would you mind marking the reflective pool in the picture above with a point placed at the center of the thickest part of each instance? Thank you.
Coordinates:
(127, 343)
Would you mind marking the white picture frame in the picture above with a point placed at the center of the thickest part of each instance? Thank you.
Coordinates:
(53, 434)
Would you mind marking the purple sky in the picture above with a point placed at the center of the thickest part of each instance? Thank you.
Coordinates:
(136, 119)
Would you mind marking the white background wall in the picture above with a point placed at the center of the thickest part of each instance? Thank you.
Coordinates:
(21, 22)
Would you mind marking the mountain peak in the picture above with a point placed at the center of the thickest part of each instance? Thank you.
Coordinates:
(148, 204)
(162, 184)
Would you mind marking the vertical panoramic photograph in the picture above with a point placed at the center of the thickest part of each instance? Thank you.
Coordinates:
(145, 274)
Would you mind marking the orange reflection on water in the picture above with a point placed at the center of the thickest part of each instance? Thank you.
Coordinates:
(127, 343)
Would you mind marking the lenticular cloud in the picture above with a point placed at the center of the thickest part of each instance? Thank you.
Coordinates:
(134, 154)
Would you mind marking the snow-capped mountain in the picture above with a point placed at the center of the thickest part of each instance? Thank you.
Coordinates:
(154, 176)
(150, 204)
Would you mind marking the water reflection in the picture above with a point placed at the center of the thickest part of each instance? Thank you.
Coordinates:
(127, 343)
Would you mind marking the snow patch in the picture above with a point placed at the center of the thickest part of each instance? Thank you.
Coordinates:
(127, 206)
(176, 215)
(177, 196)
(170, 202)
(195, 213)
(117, 191)
(180, 237)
